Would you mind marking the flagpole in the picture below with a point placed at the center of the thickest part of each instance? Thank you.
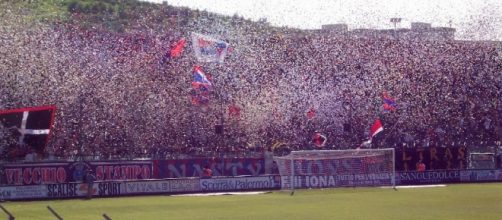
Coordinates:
(214, 51)
(219, 90)
(222, 114)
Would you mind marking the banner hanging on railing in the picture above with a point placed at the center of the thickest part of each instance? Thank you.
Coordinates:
(179, 168)
(67, 172)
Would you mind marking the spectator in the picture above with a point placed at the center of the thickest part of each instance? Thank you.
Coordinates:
(2, 176)
(89, 180)
(319, 140)
(420, 166)
(207, 172)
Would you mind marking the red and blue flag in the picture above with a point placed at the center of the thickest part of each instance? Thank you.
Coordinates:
(389, 104)
(201, 81)
(202, 86)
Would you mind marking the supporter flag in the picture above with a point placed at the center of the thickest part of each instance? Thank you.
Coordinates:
(389, 104)
(30, 126)
(201, 85)
(374, 130)
(177, 49)
(201, 81)
(311, 113)
(319, 139)
(199, 98)
(234, 111)
(208, 49)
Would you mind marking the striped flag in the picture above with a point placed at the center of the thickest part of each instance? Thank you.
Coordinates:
(202, 87)
(201, 80)
(389, 104)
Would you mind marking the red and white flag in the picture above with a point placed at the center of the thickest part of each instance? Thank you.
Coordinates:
(376, 128)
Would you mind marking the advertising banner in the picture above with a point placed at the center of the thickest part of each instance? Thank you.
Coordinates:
(161, 186)
(67, 190)
(68, 172)
(220, 166)
(239, 183)
(479, 175)
(23, 192)
(122, 170)
(428, 177)
(78, 190)
(108, 189)
(331, 181)
(36, 173)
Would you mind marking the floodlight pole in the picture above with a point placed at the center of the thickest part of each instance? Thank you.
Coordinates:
(395, 21)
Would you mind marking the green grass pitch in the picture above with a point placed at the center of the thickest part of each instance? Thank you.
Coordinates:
(454, 202)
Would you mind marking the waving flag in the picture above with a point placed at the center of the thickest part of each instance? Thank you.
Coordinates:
(208, 49)
(319, 139)
(389, 104)
(31, 126)
(200, 79)
(234, 111)
(177, 49)
(201, 85)
(311, 113)
(374, 130)
(199, 98)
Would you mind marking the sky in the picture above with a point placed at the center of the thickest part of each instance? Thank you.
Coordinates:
(473, 19)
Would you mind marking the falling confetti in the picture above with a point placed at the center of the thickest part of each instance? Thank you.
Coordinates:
(118, 96)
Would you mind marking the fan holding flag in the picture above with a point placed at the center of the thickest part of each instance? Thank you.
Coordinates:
(374, 130)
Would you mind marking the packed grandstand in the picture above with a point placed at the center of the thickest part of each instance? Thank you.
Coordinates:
(120, 94)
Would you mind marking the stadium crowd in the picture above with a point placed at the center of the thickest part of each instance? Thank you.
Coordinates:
(119, 96)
